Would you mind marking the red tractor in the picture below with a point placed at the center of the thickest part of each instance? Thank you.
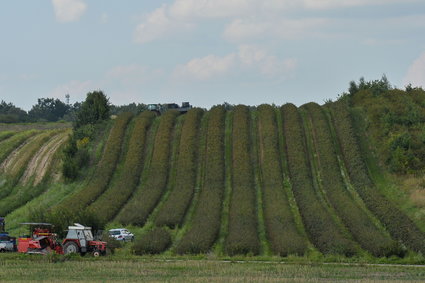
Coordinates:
(80, 240)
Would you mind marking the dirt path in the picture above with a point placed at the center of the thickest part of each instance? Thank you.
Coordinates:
(39, 163)
(11, 158)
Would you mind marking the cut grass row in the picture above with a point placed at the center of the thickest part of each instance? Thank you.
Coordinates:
(242, 236)
(206, 219)
(17, 162)
(112, 200)
(40, 164)
(25, 268)
(321, 228)
(396, 222)
(5, 135)
(104, 172)
(144, 200)
(281, 229)
(361, 227)
(14, 195)
(8, 145)
(174, 209)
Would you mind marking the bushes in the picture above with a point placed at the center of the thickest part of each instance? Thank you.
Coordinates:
(104, 170)
(206, 219)
(242, 237)
(322, 230)
(396, 121)
(280, 223)
(76, 153)
(154, 242)
(137, 210)
(357, 221)
(174, 209)
(109, 203)
(397, 223)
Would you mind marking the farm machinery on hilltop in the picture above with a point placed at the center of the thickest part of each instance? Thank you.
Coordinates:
(42, 240)
(160, 109)
(7, 243)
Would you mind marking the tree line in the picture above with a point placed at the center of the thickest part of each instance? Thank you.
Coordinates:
(54, 110)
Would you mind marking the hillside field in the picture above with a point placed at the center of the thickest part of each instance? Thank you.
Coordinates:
(261, 181)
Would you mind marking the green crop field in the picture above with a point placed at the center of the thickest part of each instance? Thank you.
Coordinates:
(315, 183)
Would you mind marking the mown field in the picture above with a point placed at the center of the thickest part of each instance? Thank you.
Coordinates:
(260, 181)
(201, 270)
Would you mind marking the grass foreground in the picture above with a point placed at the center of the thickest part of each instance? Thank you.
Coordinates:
(18, 268)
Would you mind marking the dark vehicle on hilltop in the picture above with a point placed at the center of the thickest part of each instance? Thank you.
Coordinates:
(159, 109)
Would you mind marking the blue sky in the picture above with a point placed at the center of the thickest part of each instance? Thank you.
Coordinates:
(206, 51)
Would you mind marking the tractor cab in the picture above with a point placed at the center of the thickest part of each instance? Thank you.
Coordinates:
(79, 239)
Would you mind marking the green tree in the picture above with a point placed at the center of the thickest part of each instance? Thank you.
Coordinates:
(48, 109)
(9, 113)
(95, 108)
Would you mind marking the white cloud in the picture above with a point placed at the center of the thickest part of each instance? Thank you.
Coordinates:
(157, 25)
(242, 29)
(206, 67)
(192, 9)
(333, 4)
(416, 72)
(266, 64)
(247, 58)
(69, 10)
(248, 18)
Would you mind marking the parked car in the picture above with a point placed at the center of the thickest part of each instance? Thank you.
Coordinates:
(7, 244)
(121, 234)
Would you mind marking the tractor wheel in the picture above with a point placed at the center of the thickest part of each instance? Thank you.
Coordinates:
(71, 248)
(96, 253)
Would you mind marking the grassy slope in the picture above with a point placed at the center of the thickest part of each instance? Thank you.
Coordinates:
(55, 190)
(58, 191)
(281, 229)
(201, 234)
(243, 225)
(145, 199)
(175, 207)
(127, 173)
(103, 174)
(362, 228)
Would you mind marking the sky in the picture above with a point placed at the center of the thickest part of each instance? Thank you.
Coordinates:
(206, 52)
